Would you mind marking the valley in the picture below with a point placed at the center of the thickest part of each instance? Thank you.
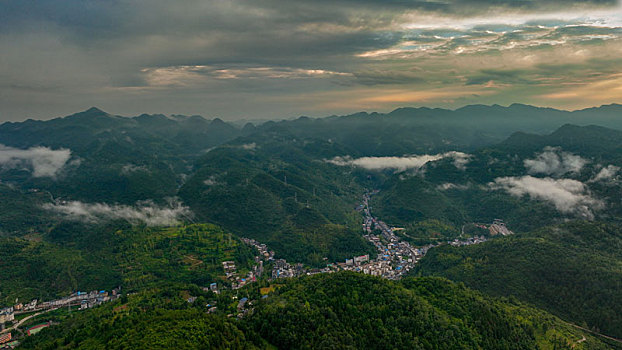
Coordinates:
(249, 221)
(301, 175)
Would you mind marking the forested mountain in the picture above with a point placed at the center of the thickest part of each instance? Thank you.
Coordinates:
(277, 189)
(155, 204)
(528, 180)
(339, 311)
(86, 257)
(572, 270)
(423, 130)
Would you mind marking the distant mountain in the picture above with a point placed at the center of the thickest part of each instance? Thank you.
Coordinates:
(424, 130)
(113, 158)
(589, 140)
(457, 196)
(78, 130)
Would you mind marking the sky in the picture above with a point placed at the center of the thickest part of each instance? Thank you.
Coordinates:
(272, 59)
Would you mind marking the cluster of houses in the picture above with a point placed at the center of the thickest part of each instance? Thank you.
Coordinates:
(233, 277)
(264, 253)
(82, 299)
(6, 315)
(394, 260)
(282, 269)
(6, 341)
(397, 257)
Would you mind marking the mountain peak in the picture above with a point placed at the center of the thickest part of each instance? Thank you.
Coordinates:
(94, 110)
(217, 121)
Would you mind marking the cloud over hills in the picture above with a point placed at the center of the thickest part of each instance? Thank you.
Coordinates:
(42, 161)
(400, 163)
(569, 196)
(146, 212)
(554, 161)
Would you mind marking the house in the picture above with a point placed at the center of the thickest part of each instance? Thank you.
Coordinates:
(241, 303)
(5, 338)
(6, 315)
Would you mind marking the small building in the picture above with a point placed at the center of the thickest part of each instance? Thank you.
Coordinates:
(242, 303)
(5, 338)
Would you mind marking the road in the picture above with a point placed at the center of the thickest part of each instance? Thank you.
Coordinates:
(16, 326)
(594, 333)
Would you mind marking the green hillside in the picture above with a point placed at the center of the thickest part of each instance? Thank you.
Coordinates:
(573, 270)
(80, 257)
(280, 193)
(334, 311)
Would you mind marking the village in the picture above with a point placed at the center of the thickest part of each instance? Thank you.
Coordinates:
(395, 257)
(11, 322)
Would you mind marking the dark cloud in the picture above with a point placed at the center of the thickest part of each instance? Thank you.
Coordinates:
(500, 76)
(129, 56)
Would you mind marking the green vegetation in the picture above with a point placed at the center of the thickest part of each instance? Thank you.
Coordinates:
(431, 214)
(273, 183)
(133, 257)
(351, 311)
(42, 270)
(191, 254)
(279, 193)
(328, 311)
(456, 197)
(21, 213)
(116, 159)
(153, 319)
(573, 271)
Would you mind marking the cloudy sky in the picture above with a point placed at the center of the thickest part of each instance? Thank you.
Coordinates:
(284, 58)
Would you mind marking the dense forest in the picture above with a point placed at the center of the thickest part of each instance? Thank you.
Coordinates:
(156, 203)
(335, 311)
(115, 255)
(572, 270)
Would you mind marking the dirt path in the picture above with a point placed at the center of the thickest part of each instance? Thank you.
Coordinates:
(594, 333)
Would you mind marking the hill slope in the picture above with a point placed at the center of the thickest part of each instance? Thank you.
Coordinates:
(573, 271)
(335, 311)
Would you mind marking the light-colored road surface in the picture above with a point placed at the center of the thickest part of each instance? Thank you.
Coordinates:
(18, 324)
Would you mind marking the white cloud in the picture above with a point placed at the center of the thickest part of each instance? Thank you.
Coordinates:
(606, 174)
(42, 161)
(400, 163)
(146, 212)
(249, 146)
(131, 168)
(451, 186)
(196, 75)
(569, 196)
(461, 160)
(553, 161)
